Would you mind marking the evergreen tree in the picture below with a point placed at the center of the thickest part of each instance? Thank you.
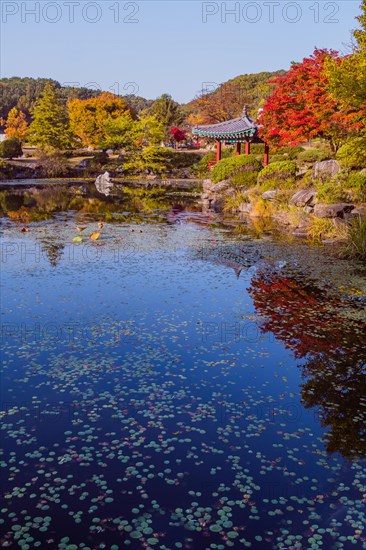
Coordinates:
(167, 112)
(50, 126)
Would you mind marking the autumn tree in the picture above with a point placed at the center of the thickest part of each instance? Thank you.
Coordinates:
(90, 117)
(16, 125)
(50, 125)
(178, 135)
(300, 107)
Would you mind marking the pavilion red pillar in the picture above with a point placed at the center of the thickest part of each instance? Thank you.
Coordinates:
(218, 151)
(266, 155)
(247, 147)
(238, 148)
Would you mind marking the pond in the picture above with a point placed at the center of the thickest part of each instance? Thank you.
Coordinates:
(176, 383)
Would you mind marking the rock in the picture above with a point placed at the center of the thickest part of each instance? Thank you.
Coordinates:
(212, 205)
(332, 210)
(308, 209)
(331, 241)
(269, 195)
(300, 233)
(245, 207)
(304, 197)
(220, 187)
(363, 171)
(359, 211)
(207, 185)
(326, 169)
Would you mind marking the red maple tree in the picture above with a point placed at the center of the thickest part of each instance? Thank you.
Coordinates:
(300, 107)
(178, 135)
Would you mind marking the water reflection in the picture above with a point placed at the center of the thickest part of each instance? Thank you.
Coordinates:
(36, 204)
(332, 349)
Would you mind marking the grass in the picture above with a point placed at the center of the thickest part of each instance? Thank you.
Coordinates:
(356, 239)
(321, 229)
(232, 202)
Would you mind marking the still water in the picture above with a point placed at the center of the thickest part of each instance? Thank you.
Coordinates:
(173, 384)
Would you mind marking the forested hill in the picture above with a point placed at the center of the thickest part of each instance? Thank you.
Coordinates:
(24, 92)
(224, 102)
(227, 100)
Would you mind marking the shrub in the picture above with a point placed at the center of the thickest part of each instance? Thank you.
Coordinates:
(312, 156)
(183, 159)
(353, 153)
(357, 184)
(277, 158)
(100, 158)
(53, 165)
(291, 152)
(256, 148)
(294, 152)
(262, 209)
(332, 190)
(152, 159)
(10, 148)
(201, 168)
(280, 174)
(241, 169)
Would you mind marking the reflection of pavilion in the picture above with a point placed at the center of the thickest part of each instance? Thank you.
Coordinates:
(238, 130)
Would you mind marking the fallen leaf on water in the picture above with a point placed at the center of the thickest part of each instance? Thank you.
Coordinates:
(95, 236)
(77, 239)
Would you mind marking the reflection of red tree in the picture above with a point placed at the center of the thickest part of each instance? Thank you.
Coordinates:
(333, 347)
(295, 315)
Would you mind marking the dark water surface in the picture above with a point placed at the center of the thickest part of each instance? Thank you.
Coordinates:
(171, 385)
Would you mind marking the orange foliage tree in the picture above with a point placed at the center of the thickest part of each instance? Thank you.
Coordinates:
(89, 117)
(16, 125)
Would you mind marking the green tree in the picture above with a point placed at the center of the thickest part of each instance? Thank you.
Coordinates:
(168, 112)
(118, 133)
(347, 78)
(50, 126)
(132, 135)
(347, 82)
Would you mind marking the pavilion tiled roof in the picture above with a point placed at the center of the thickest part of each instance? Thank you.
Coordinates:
(235, 129)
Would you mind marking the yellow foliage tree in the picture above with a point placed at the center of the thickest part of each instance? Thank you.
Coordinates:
(89, 117)
(16, 125)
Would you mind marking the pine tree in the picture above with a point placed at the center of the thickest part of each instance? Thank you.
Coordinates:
(50, 126)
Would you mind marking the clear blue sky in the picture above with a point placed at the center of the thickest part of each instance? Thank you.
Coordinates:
(165, 46)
